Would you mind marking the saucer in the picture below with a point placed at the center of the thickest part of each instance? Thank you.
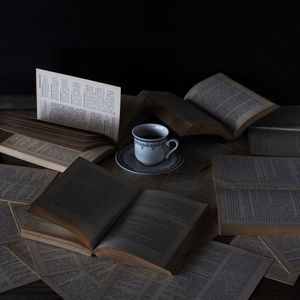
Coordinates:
(125, 159)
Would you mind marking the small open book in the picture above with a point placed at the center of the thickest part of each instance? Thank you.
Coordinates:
(217, 105)
(89, 211)
(257, 195)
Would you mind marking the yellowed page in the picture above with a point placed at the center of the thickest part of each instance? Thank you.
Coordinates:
(8, 228)
(155, 226)
(79, 103)
(23, 184)
(80, 200)
(229, 102)
(46, 154)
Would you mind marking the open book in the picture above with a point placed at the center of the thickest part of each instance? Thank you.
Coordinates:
(91, 212)
(277, 134)
(257, 195)
(84, 120)
(217, 105)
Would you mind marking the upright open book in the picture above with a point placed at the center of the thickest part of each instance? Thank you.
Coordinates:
(217, 105)
(75, 117)
(91, 212)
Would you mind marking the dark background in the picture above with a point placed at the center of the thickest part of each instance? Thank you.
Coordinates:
(146, 46)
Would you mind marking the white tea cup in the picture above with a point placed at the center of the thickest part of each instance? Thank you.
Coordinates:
(151, 146)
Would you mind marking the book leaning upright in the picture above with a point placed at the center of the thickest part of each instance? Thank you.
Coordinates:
(257, 195)
(89, 211)
(217, 105)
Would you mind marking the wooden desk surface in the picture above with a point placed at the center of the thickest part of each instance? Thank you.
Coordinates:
(193, 179)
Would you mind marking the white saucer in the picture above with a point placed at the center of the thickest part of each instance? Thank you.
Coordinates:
(125, 159)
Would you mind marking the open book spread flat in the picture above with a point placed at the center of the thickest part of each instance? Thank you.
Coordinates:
(214, 271)
(217, 105)
(13, 272)
(257, 195)
(89, 211)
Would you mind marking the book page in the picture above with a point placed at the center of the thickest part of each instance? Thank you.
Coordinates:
(256, 171)
(8, 228)
(47, 154)
(79, 103)
(217, 271)
(131, 282)
(265, 210)
(229, 102)
(274, 141)
(20, 249)
(286, 249)
(80, 284)
(257, 195)
(13, 273)
(21, 214)
(214, 271)
(131, 113)
(276, 270)
(154, 226)
(23, 184)
(50, 260)
(81, 201)
(182, 116)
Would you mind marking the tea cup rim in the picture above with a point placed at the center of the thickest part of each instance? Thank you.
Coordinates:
(149, 125)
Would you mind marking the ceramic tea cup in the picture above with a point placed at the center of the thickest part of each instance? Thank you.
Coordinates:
(151, 145)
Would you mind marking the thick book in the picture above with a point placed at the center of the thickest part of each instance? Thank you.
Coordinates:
(89, 211)
(257, 195)
(56, 146)
(217, 105)
(277, 134)
(274, 141)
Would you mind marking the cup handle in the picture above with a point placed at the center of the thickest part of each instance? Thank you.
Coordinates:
(173, 149)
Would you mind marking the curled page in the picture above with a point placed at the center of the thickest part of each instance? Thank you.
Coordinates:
(79, 103)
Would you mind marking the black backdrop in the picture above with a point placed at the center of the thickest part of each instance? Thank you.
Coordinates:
(146, 46)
